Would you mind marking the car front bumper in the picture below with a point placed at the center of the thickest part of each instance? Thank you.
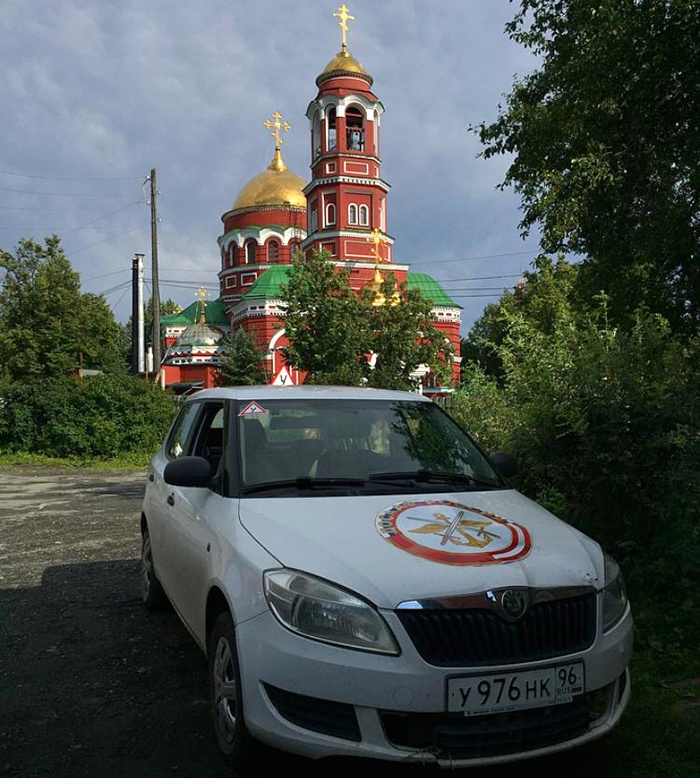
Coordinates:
(320, 700)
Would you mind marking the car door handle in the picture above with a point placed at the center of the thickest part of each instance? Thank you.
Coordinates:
(171, 499)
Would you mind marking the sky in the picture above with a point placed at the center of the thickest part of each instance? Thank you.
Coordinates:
(95, 94)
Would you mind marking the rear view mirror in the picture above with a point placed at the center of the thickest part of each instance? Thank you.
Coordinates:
(188, 471)
(506, 464)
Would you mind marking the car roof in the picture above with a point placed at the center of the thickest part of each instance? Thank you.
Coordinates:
(304, 392)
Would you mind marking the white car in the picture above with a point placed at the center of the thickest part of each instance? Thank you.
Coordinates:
(365, 582)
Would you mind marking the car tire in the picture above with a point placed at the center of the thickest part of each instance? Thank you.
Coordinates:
(225, 695)
(152, 592)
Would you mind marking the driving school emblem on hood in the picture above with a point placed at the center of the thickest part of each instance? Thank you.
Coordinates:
(453, 534)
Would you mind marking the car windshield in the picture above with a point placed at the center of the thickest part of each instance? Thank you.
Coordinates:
(373, 444)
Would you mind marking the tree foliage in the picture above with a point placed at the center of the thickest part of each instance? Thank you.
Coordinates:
(604, 423)
(242, 364)
(47, 326)
(95, 418)
(340, 337)
(606, 146)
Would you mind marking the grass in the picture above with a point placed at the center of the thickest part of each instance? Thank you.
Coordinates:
(137, 461)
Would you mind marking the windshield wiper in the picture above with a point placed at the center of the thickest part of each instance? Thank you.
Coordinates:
(433, 476)
(303, 483)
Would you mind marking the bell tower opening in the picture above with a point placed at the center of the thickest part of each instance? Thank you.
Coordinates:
(354, 129)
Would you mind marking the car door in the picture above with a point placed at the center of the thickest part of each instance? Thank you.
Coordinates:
(190, 534)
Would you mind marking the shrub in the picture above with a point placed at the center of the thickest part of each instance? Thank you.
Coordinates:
(98, 418)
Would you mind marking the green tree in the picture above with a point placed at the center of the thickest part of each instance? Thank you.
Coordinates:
(403, 336)
(546, 295)
(605, 146)
(242, 364)
(47, 326)
(324, 321)
(341, 337)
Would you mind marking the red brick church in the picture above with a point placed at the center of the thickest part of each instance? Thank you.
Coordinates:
(342, 210)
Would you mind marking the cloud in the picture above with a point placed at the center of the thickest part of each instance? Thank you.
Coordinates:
(102, 92)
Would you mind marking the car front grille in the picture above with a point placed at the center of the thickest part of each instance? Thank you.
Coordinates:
(456, 637)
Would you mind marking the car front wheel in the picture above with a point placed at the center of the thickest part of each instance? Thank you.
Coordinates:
(152, 592)
(225, 695)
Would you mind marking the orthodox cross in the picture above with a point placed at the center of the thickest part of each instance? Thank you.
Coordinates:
(343, 15)
(377, 238)
(278, 125)
(201, 294)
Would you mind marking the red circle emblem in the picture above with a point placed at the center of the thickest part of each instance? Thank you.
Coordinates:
(453, 534)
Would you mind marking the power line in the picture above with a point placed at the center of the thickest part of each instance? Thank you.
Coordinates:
(81, 178)
(533, 252)
(63, 194)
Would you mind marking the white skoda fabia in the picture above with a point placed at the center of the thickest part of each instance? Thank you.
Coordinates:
(365, 582)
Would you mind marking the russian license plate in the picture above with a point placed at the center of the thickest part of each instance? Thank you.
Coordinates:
(476, 695)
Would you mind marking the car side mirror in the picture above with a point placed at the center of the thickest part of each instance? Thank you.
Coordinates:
(506, 464)
(188, 471)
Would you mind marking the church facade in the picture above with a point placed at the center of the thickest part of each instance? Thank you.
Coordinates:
(341, 211)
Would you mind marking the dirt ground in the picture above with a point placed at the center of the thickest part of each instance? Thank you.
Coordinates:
(91, 684)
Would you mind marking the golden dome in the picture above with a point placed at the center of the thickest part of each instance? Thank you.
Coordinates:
(275, 186)
(343, 64)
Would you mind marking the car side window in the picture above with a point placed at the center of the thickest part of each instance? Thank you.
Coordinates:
(209, 438)
(179, 437)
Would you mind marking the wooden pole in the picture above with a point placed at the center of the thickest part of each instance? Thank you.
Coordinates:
(157, 356)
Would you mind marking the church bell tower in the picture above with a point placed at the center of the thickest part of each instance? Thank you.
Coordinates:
(346, 199)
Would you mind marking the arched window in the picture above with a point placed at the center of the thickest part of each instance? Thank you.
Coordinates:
(232, 254)
(330, 214)
(313, 219)
(316, 134)
(294, 247)
(250, 252)
(273, 251)
(364, 215)
(354, 129)
(352, 214)
(330, 122)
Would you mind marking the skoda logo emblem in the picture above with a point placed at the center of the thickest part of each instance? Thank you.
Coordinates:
(513, 603)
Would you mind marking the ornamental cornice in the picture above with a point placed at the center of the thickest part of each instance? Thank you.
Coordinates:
(330, 180)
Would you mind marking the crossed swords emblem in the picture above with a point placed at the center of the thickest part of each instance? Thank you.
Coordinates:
(458, 530)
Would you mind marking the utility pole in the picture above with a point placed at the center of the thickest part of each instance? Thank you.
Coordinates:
(138, 364)
(154, 269)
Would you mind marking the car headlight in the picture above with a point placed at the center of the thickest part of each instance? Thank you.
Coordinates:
(319, 610)
(614, 594)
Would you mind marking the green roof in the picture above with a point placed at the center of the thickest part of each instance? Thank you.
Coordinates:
(215, 314)
(430, 289)
(269, 284)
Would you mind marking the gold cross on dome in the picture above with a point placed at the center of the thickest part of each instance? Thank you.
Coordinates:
(343, 15)
(377, 238)
(278, 125)
(201, 294)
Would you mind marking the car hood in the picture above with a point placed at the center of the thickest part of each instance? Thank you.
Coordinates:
(395, 548)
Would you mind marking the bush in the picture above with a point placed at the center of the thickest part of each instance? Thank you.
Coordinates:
(97, 418)
(605, 426)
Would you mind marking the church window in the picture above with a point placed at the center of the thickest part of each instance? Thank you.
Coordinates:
(330, 214)
(294, 247)
(316, 135)
(331, 122)
(364, 215)
(273, 251)
(313, 220)
(354, 129)
(232, 254)
(352, 214)
(250, 252)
